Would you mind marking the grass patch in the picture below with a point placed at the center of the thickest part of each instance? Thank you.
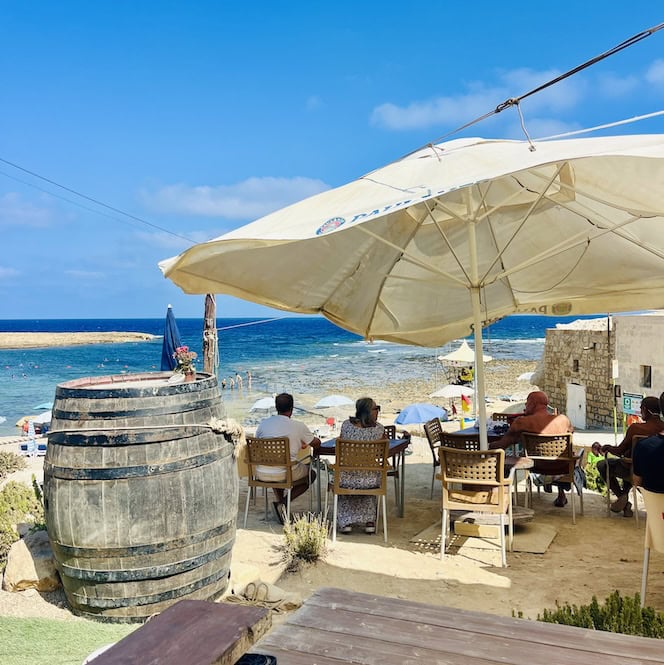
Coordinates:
(34, 641)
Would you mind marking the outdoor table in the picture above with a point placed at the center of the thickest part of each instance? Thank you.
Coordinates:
(474, 431)
(397, 452)
(336, 626)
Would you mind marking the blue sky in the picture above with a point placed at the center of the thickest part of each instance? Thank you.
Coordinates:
(198, 117)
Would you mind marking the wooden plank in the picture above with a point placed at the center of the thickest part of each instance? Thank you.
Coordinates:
(194, 632)
(293, 645)
(642, 649)
(397, 634)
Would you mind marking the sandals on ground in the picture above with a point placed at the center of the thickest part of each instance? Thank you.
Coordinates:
(560, 503)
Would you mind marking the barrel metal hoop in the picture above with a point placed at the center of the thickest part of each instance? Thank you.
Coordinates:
(114, 603)
(138, 550)
(149, 572)
(143, 470)
(119, 438)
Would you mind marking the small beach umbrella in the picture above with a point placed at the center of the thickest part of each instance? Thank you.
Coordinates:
(454, 236)
(42, 418)
(333, 400)
(452, 390)
(526, 376)
(171, 341)
(44, 405)
(419, 413)
(263, 404)
(464, 355)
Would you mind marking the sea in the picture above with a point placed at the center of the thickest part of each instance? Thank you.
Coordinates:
(301, 355)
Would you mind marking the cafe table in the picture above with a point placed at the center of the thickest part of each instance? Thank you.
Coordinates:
(397, 453)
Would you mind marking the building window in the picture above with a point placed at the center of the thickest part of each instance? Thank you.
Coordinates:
(646, 376)
(575, 365)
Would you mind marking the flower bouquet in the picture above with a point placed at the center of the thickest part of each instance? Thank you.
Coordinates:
(184, 359)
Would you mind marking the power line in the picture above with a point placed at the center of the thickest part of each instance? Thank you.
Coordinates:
(85, 197)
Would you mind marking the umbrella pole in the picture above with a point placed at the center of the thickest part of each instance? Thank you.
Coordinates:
(479, 351)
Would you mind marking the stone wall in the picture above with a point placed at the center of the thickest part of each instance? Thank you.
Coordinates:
(640, 344)
(582, 357)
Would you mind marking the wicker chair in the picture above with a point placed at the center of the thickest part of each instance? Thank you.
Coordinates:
(360, 456)
(434, 432)
(271, 452)
(460, 441)
(481, 474)
(546, 448)
(393, 468)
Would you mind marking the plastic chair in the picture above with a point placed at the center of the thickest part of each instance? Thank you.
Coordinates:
(635, 494)
(654, 503)
(434, 432)
(460, 441)
(546, 448)
(360, 456)
(270, 452)
(481, 474)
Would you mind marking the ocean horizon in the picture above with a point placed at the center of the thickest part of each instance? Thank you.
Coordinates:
(301, 355)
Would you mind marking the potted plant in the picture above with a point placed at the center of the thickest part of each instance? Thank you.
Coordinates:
(184, 359)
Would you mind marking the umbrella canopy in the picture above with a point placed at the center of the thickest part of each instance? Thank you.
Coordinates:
(526, 376)
(333, 400)
(419, 413)
(42, 418)
(263, 404)
(464, 355)
(454, 236)
(171, 341)
(44, 405)
(452, 390)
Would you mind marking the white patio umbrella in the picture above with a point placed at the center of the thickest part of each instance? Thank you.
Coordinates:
(526, 376)
(263, 404)
(333, 400)
(455, 236)
(464, 355)
(452, 390)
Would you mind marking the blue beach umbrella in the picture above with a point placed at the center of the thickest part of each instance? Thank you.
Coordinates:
(420, 412)
(44, 405)
(171, 341)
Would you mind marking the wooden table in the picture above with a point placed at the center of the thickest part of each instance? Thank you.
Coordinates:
(335, 626)
(397, 452)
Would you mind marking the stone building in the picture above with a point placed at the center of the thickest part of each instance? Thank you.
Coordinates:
(591, 366)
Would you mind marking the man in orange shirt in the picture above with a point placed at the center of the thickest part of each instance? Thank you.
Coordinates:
(537, 419)
(619, 468)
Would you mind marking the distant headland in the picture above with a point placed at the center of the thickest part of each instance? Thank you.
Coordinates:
(35, 340)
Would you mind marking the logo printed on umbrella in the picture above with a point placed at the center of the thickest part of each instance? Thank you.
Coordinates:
(330, 225)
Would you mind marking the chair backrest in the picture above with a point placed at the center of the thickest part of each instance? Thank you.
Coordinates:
(460, 441)
(434, 432)
(479, 467)
(548, 445)
(390, 431)
(504, 417)
(272, 451)
(352, 455)
(654, 503)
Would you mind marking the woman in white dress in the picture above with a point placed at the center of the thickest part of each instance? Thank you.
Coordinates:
(360, 509)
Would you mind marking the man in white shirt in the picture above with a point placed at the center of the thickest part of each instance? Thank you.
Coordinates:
(299, 436)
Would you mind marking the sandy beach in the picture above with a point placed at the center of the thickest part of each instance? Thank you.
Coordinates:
(600, 553)
(36, 340)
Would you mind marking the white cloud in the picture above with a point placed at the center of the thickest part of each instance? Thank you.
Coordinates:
(540, 128)
(655, 73)
(8, 273)
(245, 200)
(15, 211)
(85, 274)
(611, 85)
(314, 102)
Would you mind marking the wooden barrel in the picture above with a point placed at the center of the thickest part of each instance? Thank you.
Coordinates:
(140, 496)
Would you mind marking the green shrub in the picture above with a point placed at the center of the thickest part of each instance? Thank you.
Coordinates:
(305, 538)
(594, 481)
(615, 615)
(10, 462)
(18, 503)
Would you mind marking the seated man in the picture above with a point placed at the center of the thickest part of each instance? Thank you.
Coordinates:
(537, 419)
(648, 461)
(618, 467)
(299, 437)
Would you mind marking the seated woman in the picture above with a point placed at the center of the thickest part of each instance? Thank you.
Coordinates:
(360, 509)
